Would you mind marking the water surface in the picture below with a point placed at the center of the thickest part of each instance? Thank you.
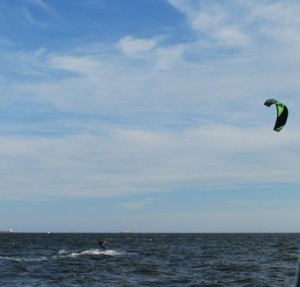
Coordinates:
(149, 260)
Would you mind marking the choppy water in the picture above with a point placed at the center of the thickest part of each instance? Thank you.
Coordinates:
(149, 260)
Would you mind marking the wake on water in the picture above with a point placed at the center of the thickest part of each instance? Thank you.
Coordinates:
(64, 254)
(95, 252)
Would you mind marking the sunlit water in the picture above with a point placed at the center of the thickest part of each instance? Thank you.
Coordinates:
(149, 260)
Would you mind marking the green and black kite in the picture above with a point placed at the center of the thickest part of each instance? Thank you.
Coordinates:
(282, 113)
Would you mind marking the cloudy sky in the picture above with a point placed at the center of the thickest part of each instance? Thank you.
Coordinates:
(148, 115)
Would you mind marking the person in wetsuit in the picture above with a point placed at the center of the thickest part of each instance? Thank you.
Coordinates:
(102, 243)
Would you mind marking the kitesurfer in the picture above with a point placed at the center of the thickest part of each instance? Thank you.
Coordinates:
(102, 243)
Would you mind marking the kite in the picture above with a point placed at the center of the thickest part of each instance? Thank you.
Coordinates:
(282, 113)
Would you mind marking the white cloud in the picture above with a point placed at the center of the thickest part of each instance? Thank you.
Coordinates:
(78, 64)
(232, 36)
(150, 50)
(132, 47)
(277, 21)
(243, 23)
(216, 21)
(168, 57)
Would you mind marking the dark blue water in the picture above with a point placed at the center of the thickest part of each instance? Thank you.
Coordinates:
(149, 260)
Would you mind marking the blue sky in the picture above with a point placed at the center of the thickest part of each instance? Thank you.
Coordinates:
(148, 116)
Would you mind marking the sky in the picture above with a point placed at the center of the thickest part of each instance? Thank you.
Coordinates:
(148, 115)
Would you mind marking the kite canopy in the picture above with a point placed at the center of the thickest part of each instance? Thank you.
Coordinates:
(282, 113)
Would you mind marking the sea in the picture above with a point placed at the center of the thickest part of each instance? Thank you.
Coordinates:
(136, 259)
